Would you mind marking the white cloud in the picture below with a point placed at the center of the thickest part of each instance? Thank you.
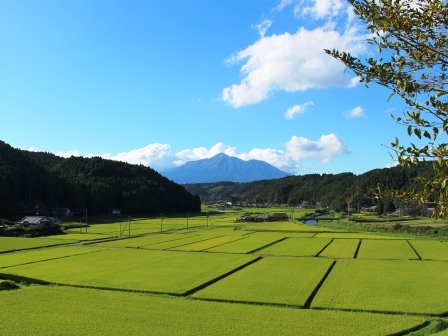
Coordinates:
(319, 9)
(323, 150)
(262, 27)
(68, 154)
(357, 112)
(157, 156)
(296, 150)
(395, 164)
(316, 9)
(297, 110)
(204, 153)
(292, 62)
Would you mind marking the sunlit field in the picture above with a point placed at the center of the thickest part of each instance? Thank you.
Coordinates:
(209, 274)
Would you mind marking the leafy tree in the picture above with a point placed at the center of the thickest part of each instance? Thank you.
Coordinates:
(411, 37)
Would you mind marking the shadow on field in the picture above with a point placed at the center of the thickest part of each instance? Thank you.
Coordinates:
(21, 279)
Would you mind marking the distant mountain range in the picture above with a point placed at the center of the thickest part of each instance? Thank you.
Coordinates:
(222, 167)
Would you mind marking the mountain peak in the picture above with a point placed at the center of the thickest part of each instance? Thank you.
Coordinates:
(223, 167)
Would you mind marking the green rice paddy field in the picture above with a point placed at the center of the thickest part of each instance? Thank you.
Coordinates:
(221, 278)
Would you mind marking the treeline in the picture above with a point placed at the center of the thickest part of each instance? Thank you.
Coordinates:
(33, 182)
(333, 190)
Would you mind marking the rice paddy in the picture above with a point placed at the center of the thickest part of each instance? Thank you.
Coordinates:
(222, 279)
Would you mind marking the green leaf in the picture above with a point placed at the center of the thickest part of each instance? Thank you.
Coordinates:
(390, 96)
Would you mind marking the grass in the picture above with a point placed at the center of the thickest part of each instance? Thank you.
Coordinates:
(302, 247)
(397, 286)
(260, 282)
(130, 269)
(75, 311)
(386, 249)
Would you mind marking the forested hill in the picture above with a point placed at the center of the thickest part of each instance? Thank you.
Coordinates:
(28, 179)
(331, 190)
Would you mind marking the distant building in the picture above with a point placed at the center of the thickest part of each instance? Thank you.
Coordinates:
(264, 218)
(279, 216)
(35, 220)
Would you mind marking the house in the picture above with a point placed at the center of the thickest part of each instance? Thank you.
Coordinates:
(279, 216)
(264, 218)
(35, 220)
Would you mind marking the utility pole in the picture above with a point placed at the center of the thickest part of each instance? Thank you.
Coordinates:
(161, 222)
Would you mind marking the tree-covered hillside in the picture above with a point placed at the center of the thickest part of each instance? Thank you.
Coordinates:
(334, 190)
(29, 179)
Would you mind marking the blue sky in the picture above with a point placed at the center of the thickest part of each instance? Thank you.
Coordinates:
(160, 83)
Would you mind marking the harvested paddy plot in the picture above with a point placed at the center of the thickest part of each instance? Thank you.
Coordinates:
(288, 281)
(386, 249)
(301, 247)
(399, 286)
(131, 269)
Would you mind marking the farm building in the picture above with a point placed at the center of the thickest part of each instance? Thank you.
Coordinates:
(35, 220)
(264, 218)
(247, 218)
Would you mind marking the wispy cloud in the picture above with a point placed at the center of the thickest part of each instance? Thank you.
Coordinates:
(297, 110)
(283, 4)
(262, 27)
(357, 112)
